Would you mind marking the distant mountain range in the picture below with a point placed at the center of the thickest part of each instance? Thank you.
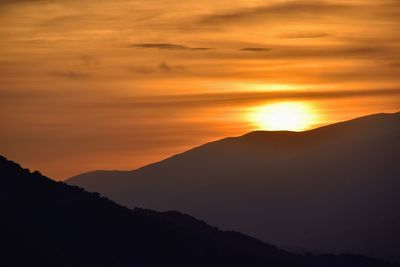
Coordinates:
(335, 188)
(46, 223)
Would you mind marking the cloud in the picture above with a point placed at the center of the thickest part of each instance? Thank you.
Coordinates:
(89, 61)
(4, 4)
(142, 69)
(168, 46)
(394, 64)
(264, 12)
(355, 50)
(72, 75)
(19, 1)
(170, 68)
(305, 35)
(333, 51)
(256, 49)
(10, 94)
(163, 67)
(243, 98)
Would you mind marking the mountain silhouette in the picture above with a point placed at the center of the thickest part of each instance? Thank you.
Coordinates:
(48, 223)
(334, 188)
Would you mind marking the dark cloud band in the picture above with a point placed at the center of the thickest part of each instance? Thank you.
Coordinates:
(168, 46)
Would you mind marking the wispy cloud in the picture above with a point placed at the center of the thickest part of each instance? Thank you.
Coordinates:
(306, 35)
(19, 1)
(264, 12)
(168, 46)
(170, 68)
(72, 75)
(394, 64)
(354, 50)
(244, 98)
(163, 67)
(90, 61)
(256, 49)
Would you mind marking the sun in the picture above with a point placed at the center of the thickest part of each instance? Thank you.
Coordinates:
(284, 116)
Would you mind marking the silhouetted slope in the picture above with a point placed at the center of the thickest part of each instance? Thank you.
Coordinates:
(334, 188)
(58, 225)
(48, 223)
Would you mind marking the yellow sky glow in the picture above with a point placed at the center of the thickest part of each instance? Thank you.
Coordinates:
(281, 116)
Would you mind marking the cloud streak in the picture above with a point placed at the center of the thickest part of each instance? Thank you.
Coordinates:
(6, 2)
(293, 8)
(163, 67)
(243, 98)
(71, 75)
(309, 35)
(256, 49)
(167, 46)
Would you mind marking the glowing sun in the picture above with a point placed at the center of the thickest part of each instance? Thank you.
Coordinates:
(289, 116)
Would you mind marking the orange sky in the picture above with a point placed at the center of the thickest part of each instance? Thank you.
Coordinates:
(104, 84)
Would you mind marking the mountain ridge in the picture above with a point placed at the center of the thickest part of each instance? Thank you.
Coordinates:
(322, 189)
(260, 133)
(49, 223)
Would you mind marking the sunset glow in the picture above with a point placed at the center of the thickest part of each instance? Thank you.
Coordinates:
(171, 120)
(120, 84)
(290, 116)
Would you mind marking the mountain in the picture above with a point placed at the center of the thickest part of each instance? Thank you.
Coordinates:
(48, 223)
(335, 188)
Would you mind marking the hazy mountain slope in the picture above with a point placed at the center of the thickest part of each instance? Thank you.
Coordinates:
(48, 223)
(330, 189)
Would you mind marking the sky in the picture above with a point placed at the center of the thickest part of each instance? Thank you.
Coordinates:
(98, 84)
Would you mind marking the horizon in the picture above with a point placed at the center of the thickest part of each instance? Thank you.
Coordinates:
(212, 141)
(236, 136)
(88, 85)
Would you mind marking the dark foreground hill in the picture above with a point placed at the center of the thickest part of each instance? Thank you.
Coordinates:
(48, 223)
(335, 188)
